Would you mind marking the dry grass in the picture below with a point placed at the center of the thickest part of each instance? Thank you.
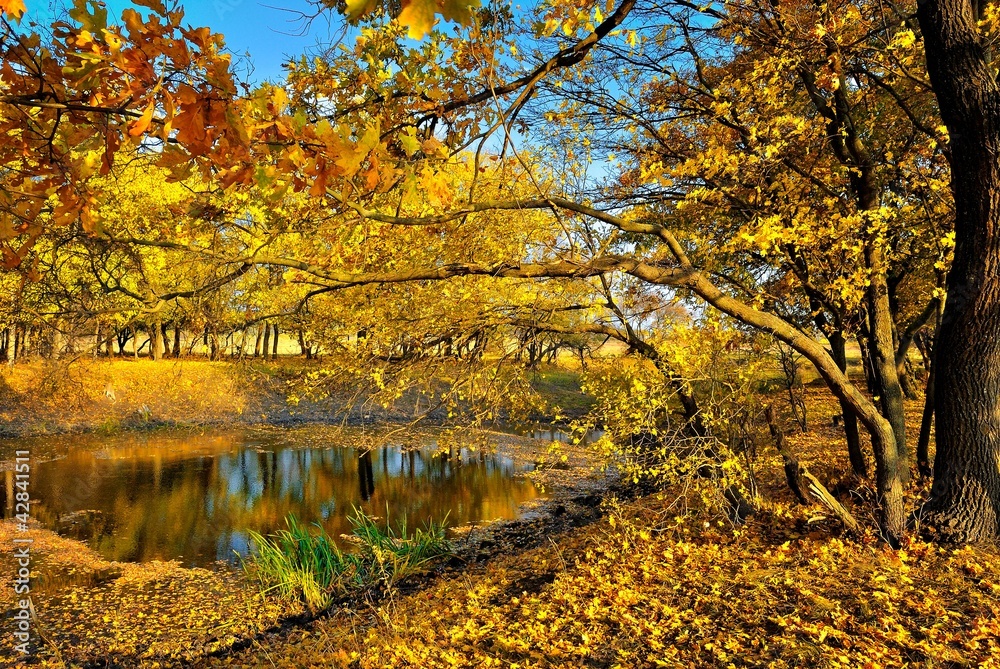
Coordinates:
(88, 394)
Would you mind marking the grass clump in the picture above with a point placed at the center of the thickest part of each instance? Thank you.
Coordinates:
(297, 563)
(388, 555)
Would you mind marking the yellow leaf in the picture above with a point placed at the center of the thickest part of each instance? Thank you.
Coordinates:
(459, 11)
(357, 8)
(432, 146)
(408, 140)
(418, 17)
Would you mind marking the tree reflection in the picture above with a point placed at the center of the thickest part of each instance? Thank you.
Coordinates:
(366, 475)
(193, 497)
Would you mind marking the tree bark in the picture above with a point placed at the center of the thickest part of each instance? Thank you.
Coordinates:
(165, 339)
(243, 344)
(274, 351)
(177, 340)
(838, 346)
(156, 341)
(903, 366)
(926, 421)
(882, 357)
(303, 349)
(964, 504)
(267, 339)
(256, 346)
(927, 418)
(906, 380)
(58, 342)
(122, 337)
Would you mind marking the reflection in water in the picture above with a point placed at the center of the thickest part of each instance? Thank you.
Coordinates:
(366, 476)
(193, 497)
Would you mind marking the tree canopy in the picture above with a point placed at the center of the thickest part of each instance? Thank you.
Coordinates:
(681, 178)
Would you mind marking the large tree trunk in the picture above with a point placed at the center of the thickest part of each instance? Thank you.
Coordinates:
(274, 351)
(165, 339)
(926, 421)
(965, 498)
(267, 339)
(177, 341)
(213, 345)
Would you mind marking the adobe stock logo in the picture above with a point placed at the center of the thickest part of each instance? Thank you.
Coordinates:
(226, 7)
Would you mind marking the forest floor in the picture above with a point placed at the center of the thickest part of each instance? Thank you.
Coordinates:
(642, 589)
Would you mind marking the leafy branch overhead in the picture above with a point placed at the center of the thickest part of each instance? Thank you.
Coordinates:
(419, 16)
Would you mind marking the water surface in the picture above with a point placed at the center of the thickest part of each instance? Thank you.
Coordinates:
(178, 494)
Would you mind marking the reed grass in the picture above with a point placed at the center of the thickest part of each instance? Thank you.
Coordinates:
(299, 563)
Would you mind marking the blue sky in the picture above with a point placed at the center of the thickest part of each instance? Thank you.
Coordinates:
(270, 30)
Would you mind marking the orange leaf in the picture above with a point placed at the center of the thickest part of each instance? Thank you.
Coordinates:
(13, 8)
(141, 124)
(156, 5)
